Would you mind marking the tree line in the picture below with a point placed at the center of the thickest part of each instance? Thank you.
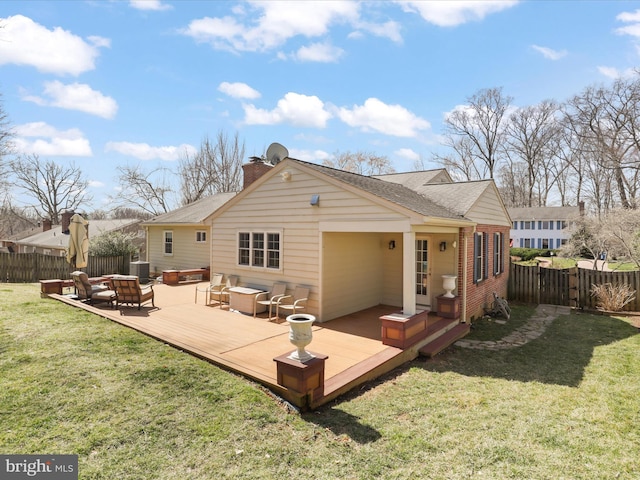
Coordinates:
(584, 149)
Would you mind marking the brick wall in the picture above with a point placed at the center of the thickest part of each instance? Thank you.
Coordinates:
(254, 170)
(480, 295)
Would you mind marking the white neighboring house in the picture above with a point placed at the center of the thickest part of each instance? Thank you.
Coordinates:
(542, 227)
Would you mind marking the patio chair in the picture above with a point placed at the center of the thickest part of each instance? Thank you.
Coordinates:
(222, 291)
(129, 291)
(215, 282)
(270, 298)
(298, 301)
(91, 293)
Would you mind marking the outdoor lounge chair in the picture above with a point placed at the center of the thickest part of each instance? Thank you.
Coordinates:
(215, 283)
(298, 301)
(270, 298)
(91, 293)
(129, 291)
(222, 290)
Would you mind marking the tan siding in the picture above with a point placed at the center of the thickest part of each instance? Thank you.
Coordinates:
(284, 206)
(352, 273)
(187, 253)
(489, 210)
(392, 271)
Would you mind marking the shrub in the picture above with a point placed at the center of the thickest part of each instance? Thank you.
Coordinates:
(112, 244)
(612, 297)
(529, 253)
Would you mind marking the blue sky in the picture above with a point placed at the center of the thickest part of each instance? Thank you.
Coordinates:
(107, 83)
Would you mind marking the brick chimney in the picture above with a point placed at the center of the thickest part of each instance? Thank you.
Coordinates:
(254, 170)
(66, 221)
(46, 224)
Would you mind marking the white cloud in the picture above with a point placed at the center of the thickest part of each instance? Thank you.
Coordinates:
(377, 116)
(144, 151)
(238, 90)
(76, 96)
(390, 30)
(57, 51)
(96, 183)
(41, 138)
(309, 155)
(613, 73)
(294, 109)
(278, 22)
(407, 153)
(550, 53)
(319, 52)
(156, 5)
(451, 14)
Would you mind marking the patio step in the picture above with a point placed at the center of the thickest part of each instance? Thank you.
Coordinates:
(443, 341)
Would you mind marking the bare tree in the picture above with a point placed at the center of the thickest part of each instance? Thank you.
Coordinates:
(52, 187)
(363, 163)
(150, 191)
(481, 121)
(532, 137)
(6, 147)
(215, 168)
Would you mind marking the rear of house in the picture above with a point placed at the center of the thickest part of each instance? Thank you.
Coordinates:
(359, 241)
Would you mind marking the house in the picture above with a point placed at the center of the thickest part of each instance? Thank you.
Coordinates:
(542, 227)
(180, 239)
(50, 239)
(360, 241)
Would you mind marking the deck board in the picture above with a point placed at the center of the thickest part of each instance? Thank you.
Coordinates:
(246, 344)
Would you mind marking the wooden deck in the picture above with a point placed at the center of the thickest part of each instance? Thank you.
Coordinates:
(248, 345)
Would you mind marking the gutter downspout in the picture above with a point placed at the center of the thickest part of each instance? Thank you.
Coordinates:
(465, 259)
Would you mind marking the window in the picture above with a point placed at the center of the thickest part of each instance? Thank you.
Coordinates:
(562, 224)
(201, 236)
(480, 251)
(545, 243)
(527, 225)
(527, 243)
(545, 225)
(168, 243)
(259, 249)
(498, 253)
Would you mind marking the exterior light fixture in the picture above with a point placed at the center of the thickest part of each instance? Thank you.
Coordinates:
(392, 244)
(443, 246)
(315, 200)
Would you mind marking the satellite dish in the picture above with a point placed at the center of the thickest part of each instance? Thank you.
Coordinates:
(276, 153)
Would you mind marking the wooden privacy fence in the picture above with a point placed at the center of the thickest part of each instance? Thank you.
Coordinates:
(570, 286)
(33, 267)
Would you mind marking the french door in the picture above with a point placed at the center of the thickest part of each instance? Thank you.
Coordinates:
(423, 273)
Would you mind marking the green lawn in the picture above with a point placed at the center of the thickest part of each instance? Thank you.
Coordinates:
(565, 406)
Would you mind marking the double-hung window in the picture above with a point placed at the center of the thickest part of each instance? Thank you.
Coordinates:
(259, 249)
(498, 253)
(201, 236)
(480, 257)
(168, 242)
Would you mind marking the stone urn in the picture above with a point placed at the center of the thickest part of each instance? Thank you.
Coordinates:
(449, 284)
(300, 335)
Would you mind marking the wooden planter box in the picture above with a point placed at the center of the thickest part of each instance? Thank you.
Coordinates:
(402, 331)
(449, 307)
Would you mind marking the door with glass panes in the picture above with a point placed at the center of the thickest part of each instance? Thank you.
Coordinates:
(423, 273)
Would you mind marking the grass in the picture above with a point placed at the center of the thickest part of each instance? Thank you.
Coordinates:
(566, 405)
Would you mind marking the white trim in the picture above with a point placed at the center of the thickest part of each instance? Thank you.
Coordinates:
(365, 226)
(164, 243)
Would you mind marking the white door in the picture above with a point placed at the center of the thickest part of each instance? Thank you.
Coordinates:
(423, 273)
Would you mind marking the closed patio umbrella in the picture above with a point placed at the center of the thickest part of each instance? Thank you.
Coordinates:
(78, 252)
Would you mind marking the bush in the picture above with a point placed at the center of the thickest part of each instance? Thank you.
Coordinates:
(612, 297)
(112, 244)
(529, 253)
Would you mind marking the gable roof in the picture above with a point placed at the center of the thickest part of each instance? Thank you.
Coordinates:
(544, 213)
(54, 238)
(391, 191)
(457, 197)
(194, 213)
(414, 180)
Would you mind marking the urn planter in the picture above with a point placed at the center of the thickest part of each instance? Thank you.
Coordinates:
(300, 335)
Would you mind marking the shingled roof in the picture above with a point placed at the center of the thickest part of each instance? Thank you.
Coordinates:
(391, 191)
(194, 213)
